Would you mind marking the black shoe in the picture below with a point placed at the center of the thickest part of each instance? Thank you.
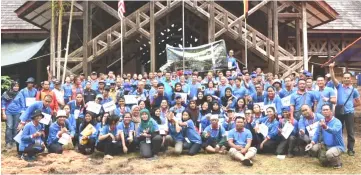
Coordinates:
(337, 166)
(247, 162)
(351, 153)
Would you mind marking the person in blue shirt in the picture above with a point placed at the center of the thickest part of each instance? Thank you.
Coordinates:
(330, 132)
(157, 98)
(345, 91)
(28, 92)
(57, 130)
(194, 87)
(270, 142)
(238, 90)
(31, 142)
(11, 110)
(288, 89)
(240, 106)
(126, 133)
(289, 143)
(67, 88)
(223, 86)
(175, 134)
(273, 98)
(329, 82)
(87, 141)
(324, 94)
(148, 135)
(228, 124)
(232, 63)
(228, 100)
(214, 137)
(121, 108)
(239, 140)
(94, 81)
(257, 115)
(192, 139)
(107, 141)
(259, 96)
(211, 90)
(300, 98)
(178, 108)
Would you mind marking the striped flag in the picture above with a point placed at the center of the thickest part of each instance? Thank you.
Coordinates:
(121, 8)
(245, 8)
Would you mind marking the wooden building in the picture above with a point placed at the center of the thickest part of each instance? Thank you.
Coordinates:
(282, 36)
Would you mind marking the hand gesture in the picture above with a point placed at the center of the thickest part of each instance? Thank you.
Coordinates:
(302, 132)
(125, 149)
(243, 151)
(207, 135)
(332, 65)
(48, 68)
(64, 130)
(20, 127)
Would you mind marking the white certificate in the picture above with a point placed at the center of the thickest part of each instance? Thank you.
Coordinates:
(312, 129)
(17, 138)
(229, 65)
(130, 99)
(183, 96)
(76, 113)
(46, 120)
(263, 129)
(65, 138)
(93, 107)
(110, 106)
(29, 101)
(286, 101)
(287, 130)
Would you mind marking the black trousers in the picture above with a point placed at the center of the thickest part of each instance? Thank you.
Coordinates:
(55, 148)
(348, 121)
(84, 149)
(147, 150)
(270, 146)
(31, 151)
(286, 144)
(108, 147)
(193, 148)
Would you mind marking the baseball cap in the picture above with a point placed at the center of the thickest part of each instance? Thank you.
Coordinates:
(94, 73)
(61, 113)
(36, 113)
(99, 96)
(178, 96)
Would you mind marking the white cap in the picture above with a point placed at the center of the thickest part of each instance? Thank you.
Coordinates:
(61, 113)
(328, 75)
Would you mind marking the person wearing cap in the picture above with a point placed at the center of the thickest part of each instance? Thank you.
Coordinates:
(239, 140)
(101, 86)
(89, 93)
(329, 82)
(57, 130)
(307, 119)
(178, 108)
(46, 91)
(288, 89)
(31, 142)
(106, 97)
(28, 92)
(140, 92)
(287, 145)
(277, 84)
(59, 93)
(66, 87)
(11, 110)
(87, 141)
(113, 92)
(324, 95)
(301, 97)
(94, 82)
(214, 137)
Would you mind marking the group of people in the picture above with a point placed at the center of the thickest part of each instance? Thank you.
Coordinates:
(239, 113)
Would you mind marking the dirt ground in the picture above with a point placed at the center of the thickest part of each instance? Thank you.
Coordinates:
(71, 162)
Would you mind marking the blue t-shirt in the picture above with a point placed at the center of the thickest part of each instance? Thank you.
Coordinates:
(191, 133)
(215, 134)
(122, 128)
(326, 92)
(343, 93)
(332, 136)
(177, 136)
(240, 138)
(297, 100)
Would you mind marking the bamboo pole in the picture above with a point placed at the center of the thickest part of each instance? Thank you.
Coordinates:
(68, 40)
(52, 38)
(60, 3)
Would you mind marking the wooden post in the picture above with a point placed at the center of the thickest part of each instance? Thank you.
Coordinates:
(152, 37)
(52, 38)
(90, 31)
(85, 37)
(298, 37)
(60, 26)
(269, 31)
(68, 41)
(275, 35)
(211, 26)
(304, 36)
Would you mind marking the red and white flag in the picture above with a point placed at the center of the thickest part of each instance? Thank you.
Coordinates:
(121, 8)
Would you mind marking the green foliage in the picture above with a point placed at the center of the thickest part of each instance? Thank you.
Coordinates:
(5, 83)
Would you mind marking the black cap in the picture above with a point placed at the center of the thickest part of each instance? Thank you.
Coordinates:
(230, 110)
(37, 113)
(107, 88)
(94, 73)
(57, 82)
(30, 80)
(82, 74)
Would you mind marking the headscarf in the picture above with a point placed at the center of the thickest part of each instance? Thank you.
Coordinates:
(219, 107)
(200, 101)
(194, 113)
(11, 94)
(144, 124)
(156, 118)
(225, 99)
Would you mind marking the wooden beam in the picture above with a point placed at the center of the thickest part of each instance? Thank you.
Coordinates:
(304, 36)
(254, 9)
(270, 36)
(152, 37)
(298, 37)
(85, 37)
(289, 15)
(107, 8)
(211, 22)
(275, 34)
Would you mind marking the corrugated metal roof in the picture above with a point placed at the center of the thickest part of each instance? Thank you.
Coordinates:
(349, 15)
(9, 19)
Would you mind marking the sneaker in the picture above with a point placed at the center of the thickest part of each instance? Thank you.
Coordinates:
(290, 155)
(351, 153)
(108, 157)
(9, 146)
(27, 158)
(247, 162)
(337, 166)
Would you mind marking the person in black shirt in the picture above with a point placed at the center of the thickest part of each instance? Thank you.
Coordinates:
(89, 94)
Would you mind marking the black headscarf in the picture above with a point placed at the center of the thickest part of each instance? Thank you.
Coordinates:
(156, 118)
(225, 99)
(194, 113)
(11, 94)
(219, 108)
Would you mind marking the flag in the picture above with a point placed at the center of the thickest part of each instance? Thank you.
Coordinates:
(245, 8)
(121, 8)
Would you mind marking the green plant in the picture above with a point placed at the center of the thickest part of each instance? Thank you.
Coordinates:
(5, 83)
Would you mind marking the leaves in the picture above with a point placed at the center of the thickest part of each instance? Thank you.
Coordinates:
(5, 83)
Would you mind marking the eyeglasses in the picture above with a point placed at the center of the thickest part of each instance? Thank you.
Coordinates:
(47, 101)
(248, 113)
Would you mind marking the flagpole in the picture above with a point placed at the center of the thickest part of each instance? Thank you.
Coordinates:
(245, 39)
(183, 34)
(121, 46)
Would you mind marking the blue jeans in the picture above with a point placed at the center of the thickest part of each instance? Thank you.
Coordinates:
(12, 122)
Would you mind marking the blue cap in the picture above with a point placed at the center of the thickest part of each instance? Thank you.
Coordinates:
(230, 78)
(111, 82)
(308, 74)
(30, 80)
(305, 72)
(253, 75)
(239, 74)
(286, 108)
(178, 96)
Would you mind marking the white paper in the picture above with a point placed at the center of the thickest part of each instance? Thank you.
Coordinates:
(46, 120)
(147, 140)
(130, 99)
(287, 130)
(183, 96)
(64, 139)
(286, 101)
(229, 65)
(76, 113)
(263, 129)
(29, 101)
(261, 104)
(270, 105)
(187, 140)
(110, 106)
(312, 129)
(281, 157)
(94, 107)
(17, 138)
(161, 132)
(178, 116)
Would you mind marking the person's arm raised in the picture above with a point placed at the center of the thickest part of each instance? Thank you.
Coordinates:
(333, 77)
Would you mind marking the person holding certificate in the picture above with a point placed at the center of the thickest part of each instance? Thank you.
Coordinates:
(87, 134)
(288, 141)
(269, 132)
